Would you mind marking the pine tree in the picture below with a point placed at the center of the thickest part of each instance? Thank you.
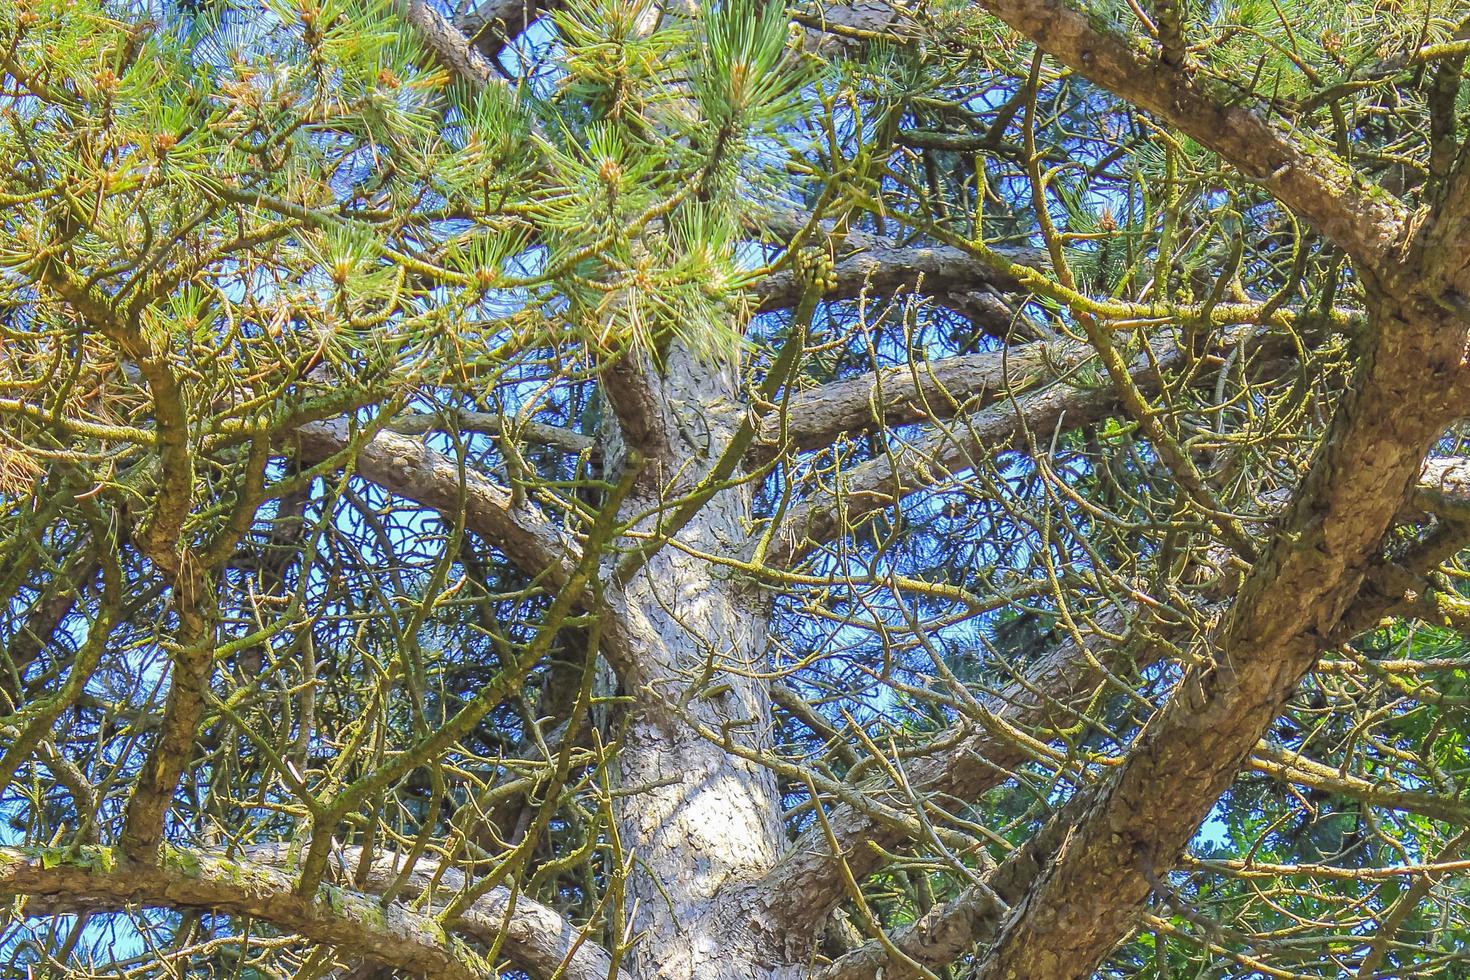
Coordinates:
(611, 489)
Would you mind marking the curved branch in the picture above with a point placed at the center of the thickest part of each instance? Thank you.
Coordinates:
(877, 484)
(93, 879)
(884, 267)
(494, 24)
(407, 467)
(535, 936)
(975, 758)
(1367, 222)
(452, 48)
(491, 424)
(1142, 815)
(919, 392)
(809, 877)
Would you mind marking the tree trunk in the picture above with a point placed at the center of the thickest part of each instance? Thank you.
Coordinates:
(694, 818)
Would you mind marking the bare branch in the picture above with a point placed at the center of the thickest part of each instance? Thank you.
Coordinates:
(491, 424)
(461, 57)
(1138, 820)
(1367, 222)
(883, 267)
(534, 936)
(978, 757)
(409, 468)
(920, 392)
(93, 879)
(493, 24)
(998, 427)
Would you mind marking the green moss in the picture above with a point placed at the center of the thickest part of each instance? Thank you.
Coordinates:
(331, 896)
(97, 860)
(185, 863)
(103, 860)
(371, 914)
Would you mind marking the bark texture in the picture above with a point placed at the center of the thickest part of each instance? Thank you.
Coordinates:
(709, 886)
(1137, 822)
(699, 820)
(97, 879)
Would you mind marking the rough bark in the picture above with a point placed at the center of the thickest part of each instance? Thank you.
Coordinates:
(919, 392)
(465, 60)
(190, 670)
(1140, 818)
(977, 756)
(408, 467)
(883, 267)
(948, 930)
(495, 23)
(534, 936)
(700, 823)
(701, 777)
(997, 427)
(97, 879)
(698, 819)
(1366, 221)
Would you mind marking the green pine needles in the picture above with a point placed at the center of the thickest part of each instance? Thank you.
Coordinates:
(316, 147)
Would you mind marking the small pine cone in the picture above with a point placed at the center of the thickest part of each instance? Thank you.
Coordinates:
(815, 266)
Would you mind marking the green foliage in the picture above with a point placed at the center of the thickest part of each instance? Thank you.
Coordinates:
(241, 222)
(652, 166)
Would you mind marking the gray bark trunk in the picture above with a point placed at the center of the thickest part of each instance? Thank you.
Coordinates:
(696, 819)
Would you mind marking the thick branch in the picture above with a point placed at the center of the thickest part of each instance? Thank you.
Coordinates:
(975, 758)
(883, 267)
(407, 467)
(1286, 766)
(946, 930)
(450, 45)
(191, 666)
(1141, 816)
(809, 877)
(1366, 222)
(879, 483)
(495, 23)
(535, 936)
(492, 424)
(96, 880)
(919, 392)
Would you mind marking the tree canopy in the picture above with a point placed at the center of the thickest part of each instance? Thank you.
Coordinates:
(642, 490)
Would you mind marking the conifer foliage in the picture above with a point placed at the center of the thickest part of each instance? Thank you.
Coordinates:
(653, 490)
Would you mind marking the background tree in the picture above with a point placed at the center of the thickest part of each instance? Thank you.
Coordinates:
(606, 489)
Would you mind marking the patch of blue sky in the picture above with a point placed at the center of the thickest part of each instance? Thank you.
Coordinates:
(104, 940)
